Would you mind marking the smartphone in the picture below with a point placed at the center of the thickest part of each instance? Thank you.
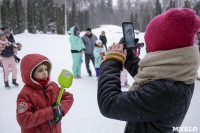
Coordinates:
(129, 35)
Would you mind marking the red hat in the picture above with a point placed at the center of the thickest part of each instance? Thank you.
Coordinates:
(173, 29)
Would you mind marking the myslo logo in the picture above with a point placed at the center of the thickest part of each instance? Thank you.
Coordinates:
(185, 129)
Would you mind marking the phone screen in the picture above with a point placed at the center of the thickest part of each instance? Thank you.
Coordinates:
(129, 35)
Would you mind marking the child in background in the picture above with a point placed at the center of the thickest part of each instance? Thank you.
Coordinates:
(123, 78)
(99, 53)
(36, 108)
(7, 59)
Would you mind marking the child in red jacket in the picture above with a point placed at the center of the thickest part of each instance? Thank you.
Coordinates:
(36, 109)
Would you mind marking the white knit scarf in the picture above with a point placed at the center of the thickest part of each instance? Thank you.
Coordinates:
(175, 65)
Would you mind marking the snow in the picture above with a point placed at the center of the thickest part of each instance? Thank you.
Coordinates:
(84, 116)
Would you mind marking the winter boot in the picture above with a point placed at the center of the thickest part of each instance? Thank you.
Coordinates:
(14, 82)
(79, 77)
(7, 85)
(90, 74)
(76, 77)
(17, 60)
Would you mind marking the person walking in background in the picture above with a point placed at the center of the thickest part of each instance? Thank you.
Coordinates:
(77, 48)
(37, 111)
(103, 38)
(7, 60)
(124, 78)
(89, 41)
(99, 53)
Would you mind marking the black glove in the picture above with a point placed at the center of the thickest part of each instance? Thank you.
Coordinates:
(57, 111)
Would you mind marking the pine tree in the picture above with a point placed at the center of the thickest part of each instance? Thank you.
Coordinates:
(51, 16)
(109, 11)
(18, 17)
(73, 14)
(145, 21)
(60, 19)
(171, 5)
(186, 4)
(135, 22)
(69, 24)
(80, 20)
(31, 16)
(14, 15)
(158, 10)
(86, 19)
(5, 14)
(41, 15)
(197, 8)
(131, 18)
(102, 12)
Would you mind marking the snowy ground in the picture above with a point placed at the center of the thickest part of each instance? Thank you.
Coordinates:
(84, 116)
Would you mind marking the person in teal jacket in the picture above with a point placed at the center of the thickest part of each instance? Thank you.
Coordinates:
(77, 48)
(99, 53)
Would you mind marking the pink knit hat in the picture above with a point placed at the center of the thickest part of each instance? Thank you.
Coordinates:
(173, 29)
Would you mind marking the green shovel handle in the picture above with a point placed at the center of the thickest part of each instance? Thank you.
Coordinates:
(59, 96)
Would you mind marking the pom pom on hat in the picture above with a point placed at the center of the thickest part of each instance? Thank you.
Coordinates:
(173, 29)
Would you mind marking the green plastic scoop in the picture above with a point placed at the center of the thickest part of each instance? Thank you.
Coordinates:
(65, 80)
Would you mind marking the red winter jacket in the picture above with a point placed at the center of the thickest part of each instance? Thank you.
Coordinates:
(34, 103)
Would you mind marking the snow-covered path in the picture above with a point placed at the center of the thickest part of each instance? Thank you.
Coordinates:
(84, 116)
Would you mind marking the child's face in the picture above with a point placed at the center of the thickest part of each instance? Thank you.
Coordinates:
(41, 72)
(99, 44)
(7, 34)
(3, 38)
(77, 32)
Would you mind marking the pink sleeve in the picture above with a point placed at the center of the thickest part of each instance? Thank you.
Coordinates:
(4, 43)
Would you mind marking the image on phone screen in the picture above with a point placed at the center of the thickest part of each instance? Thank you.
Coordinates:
(129, 35)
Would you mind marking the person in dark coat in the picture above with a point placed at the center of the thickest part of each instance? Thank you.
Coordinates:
(103, 38)
(158, 100)
(9, 36)
(89, 41)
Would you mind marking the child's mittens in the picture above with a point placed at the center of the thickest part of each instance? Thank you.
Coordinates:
(19, 46)
(102, 55)
(57, 111)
